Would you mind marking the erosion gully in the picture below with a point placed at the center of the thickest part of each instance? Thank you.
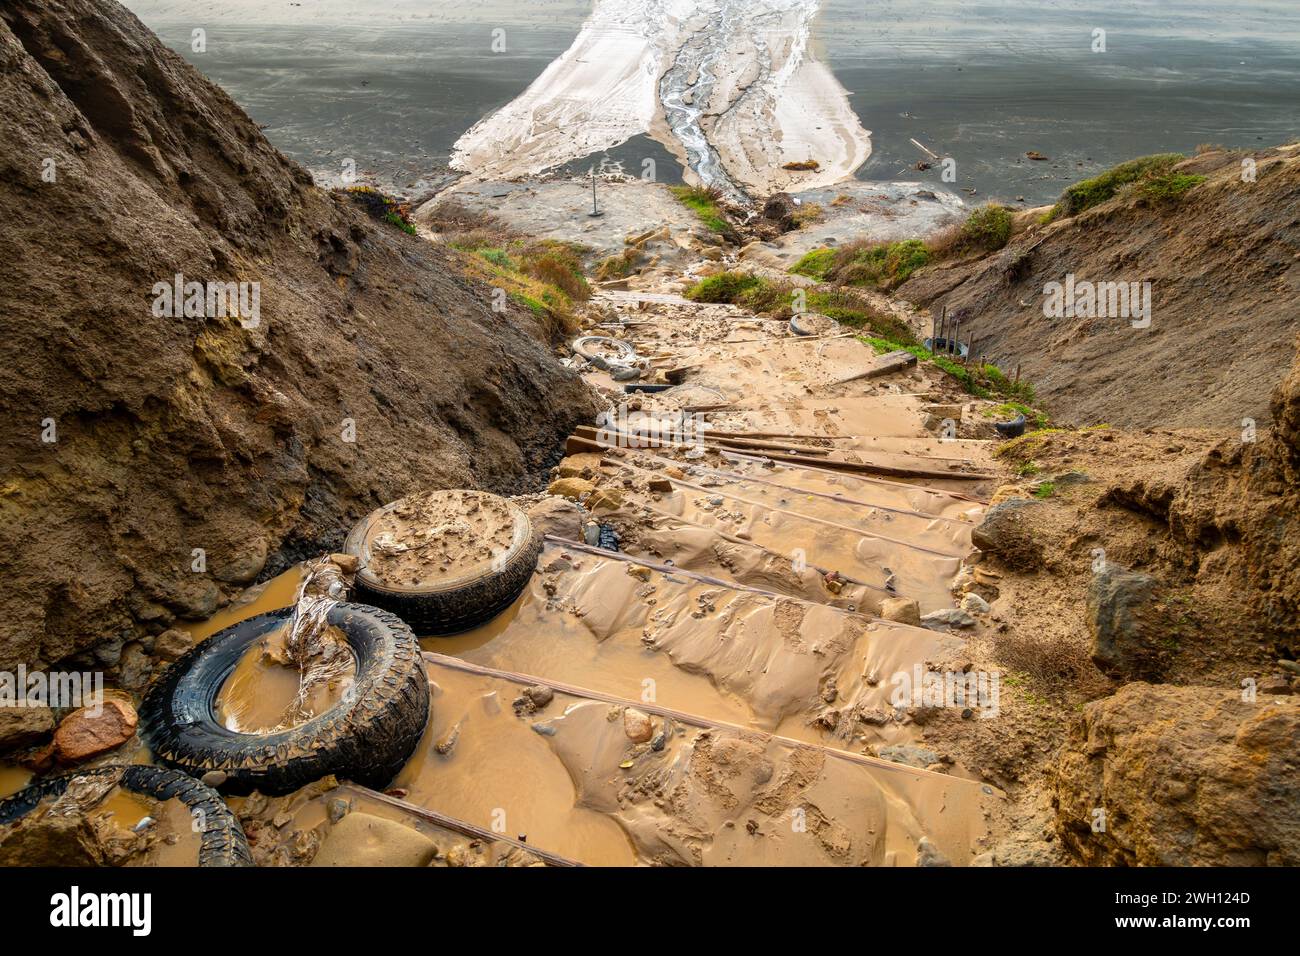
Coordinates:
(740, 620)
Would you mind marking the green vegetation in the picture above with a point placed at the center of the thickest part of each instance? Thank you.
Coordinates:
(1028, 469)
(987, 228)
(1092, 192)
(1045, 490)
(545, 277)
(983, 381)
(383, 207)
(776, 299)
(704, 203)
(1169, 187)
(815, 264)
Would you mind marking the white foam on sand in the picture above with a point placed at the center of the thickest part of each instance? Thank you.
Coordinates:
(770, 104)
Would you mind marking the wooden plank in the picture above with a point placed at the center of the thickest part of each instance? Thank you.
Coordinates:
(886, 365)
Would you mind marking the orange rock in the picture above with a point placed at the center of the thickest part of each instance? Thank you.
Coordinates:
(83, 734)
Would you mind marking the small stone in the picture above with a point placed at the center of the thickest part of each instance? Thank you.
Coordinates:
(347, 563)
(927, 854)
(972, 603)
(215, 778)
(637, 725)
(447, 743)
(338, 809)
(661, 485)
(1291, 666)
(910, 755)
(1275, 684)
(172, 645)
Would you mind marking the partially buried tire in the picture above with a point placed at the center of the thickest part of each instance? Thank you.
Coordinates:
(366, 737)
(223, 842)
(444, 561)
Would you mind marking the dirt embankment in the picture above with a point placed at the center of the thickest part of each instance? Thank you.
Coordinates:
(1223, 261)
(154, 464)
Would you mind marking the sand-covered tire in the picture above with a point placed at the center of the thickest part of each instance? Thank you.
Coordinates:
(813, 323)
(603, 351)
(462, 597)
(223, 842)
(366, 737)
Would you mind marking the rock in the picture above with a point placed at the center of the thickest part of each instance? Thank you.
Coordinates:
(557, 516)
(347, 563)
(972, 603)
(661, 485)
(585, 465)
(780, 209)
(1125, 620)
(1275, 684)
(533, 698)
(637, 725)
(1007, 532)
(572, 488)
(215, 778)
(947, 617)
(83, 734)
(927, 854)
(909, 754)
(360, 839)
(447, 742)
(1290, 666)
(244, 565)
(338, 808)
(173, 644)
(607, 498)
(51, 840)
(134, 668)
(24, 726)
(902, 610)
(1187, 776)
(194, 597)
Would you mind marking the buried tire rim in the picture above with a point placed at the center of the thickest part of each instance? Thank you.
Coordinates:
(444, 561)
(366, 737)
(223, 842)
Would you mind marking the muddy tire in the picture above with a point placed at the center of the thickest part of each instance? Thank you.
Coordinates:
(457, 605)
(223, 842)
(366, 738)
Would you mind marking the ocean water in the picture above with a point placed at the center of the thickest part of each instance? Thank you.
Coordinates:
(980, 81)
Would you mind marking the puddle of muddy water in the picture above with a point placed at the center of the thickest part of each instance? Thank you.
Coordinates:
(13, 779)
(260, 691)
(273, 595)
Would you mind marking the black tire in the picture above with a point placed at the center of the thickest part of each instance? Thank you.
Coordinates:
(223, 842)
(365, 738)
(450, 610)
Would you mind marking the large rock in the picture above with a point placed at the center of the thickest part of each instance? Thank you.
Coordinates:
(360, 839)
(902, 610)
(1125, 618)
(1007, 532)
(1185, 776)
(24, 726)
(51, 840)
(85, 734)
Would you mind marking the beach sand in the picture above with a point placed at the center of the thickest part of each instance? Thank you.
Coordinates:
(729, 87)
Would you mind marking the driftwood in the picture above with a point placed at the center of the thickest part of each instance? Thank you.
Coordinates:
(887, 364)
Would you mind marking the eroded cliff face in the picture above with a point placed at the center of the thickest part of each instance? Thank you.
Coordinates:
(138, 448)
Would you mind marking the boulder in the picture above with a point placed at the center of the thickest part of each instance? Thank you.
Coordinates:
(85, 734)
(51, 840)
(360, 839)
(947, 617)
(585, 465)
(1187, 776)
(1125, 619)
(1007, 532)
(557, 516)
(902, 610)
(24, 726)
(572, 488)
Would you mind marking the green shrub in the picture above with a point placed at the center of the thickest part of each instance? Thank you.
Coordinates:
(987, 228)
(723, 287)
(704, 202)
(815, 264)
(1169, 187)
(1092, 192)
